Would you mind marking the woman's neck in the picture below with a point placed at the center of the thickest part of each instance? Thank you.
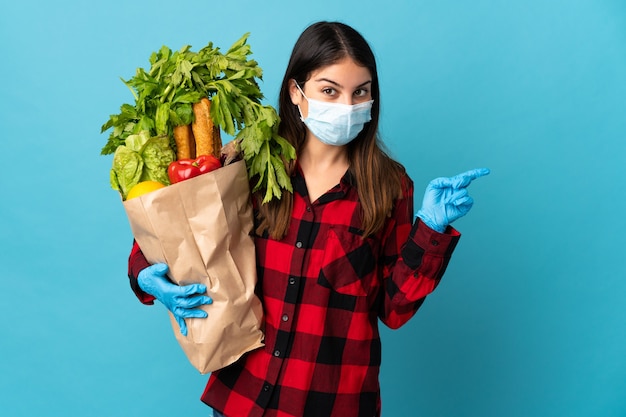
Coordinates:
(322, 165)
(319, 156)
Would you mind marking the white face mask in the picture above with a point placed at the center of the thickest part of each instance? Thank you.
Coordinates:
(335, 123)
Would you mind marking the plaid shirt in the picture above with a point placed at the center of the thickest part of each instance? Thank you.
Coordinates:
(324, 288)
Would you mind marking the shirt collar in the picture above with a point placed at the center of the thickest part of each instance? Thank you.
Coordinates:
(346, 183)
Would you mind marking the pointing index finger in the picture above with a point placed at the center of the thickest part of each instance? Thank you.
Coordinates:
(464, 179)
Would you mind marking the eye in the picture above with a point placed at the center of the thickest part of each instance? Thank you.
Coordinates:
(361, 92)
(329, 91)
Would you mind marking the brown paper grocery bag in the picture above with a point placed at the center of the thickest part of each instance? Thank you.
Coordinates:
(200, 228)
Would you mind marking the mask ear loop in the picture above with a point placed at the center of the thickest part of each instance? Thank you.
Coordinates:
(303, 95)
(299, 89)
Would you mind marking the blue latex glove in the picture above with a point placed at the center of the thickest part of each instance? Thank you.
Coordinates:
(447, 199)
(180, 300)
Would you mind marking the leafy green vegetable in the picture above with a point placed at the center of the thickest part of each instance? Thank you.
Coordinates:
(157, 156)
(264, 157)
(142, 158)
(126, 171)
(164, 95)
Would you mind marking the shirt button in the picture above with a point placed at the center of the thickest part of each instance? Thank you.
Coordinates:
(277, 353)
(292, 280)
(434, 242)
(298, 245)
(308, 208)
(285, 317)
(266, 387)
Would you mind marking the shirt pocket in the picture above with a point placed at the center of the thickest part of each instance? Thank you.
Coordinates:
(348, 264)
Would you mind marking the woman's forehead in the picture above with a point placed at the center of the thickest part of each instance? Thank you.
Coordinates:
(345, 72)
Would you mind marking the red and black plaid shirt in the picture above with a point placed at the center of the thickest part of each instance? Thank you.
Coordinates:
(323, 289)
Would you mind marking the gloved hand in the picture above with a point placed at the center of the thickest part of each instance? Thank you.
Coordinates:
(447, 199)
(180, 300)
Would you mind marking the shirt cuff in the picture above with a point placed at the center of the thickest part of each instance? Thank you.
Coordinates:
(433, 242)
(136, 263)
(425, 241)
(144, 297)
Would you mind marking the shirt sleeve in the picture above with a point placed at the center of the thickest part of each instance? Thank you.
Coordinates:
(415, 259)
(137, 262)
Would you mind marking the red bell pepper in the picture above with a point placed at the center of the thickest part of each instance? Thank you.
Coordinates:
(184, 169)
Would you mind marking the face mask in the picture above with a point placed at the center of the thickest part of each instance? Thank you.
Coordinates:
(335, 123)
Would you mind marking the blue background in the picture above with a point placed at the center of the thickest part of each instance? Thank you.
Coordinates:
(530, 319)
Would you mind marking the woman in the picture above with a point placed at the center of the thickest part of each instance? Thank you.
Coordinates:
(334, 257)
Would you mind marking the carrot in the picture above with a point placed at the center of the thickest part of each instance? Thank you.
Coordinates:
(205, 132)
(185, 143)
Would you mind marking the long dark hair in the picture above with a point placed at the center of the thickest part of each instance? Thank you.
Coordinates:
(378, 177)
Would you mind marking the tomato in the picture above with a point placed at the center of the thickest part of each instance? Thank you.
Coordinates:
(184, 169)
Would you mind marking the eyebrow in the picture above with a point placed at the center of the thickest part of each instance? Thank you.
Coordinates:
(339, 85)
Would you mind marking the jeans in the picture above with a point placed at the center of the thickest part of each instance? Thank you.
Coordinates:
(217, 414)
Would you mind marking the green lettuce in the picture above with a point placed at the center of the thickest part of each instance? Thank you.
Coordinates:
(142, 158)
(157, 156)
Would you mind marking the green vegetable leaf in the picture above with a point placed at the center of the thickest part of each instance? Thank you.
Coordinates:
(137, 142)
(162, 118)
(183, 114)
(157, 156)
(280, 173)
(127, 169)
